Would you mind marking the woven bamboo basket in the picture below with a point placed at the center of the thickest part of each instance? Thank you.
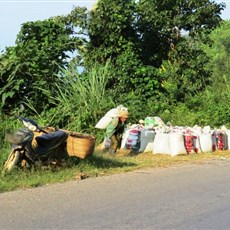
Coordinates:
(80, 144)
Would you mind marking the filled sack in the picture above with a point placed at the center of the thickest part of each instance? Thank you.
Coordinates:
(161, 144)
(103, 122)
(153, 122)
(133, 140)
(146, 140)
(107, 118)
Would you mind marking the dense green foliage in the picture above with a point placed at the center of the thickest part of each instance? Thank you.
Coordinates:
(216, 98)
(139, 37)
(42, 47)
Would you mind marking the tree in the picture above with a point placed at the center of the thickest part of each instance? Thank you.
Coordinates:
(154, 47)
(219, 52)
(42, 48)
(111, 27)
(160, 25)
(141, 35)
(216, 98)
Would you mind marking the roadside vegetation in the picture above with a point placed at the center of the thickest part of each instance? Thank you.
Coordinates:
(96, 165)
(158, 59)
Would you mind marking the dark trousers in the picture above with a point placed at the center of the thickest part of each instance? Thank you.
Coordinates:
(116, 142)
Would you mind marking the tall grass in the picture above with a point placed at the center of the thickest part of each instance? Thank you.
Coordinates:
(7, 125)
(81, 99)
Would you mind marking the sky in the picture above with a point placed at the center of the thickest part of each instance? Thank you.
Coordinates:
(13, 13)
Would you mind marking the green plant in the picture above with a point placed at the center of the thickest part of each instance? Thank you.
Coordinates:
(96, 165)
(83, 99)
(7, 125)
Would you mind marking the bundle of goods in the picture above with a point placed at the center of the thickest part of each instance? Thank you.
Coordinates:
(133, 140)
(169, 143)
(153, 135)
(187, 140)
(138, 138)
(107, 118)
(220, 140)
(177, 140)
(153, 122)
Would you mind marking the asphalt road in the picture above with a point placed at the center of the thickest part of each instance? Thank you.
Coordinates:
(179, 197)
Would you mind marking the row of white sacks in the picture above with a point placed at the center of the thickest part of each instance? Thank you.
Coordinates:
(174, 141)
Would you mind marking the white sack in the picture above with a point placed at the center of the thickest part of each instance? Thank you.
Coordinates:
(112, 113)
(146, 139)
(107, 118)
(103, 122)
(161, 144)
(125, 136)
(176, 142)
(227, 139)
(219, 140)
(206, 142)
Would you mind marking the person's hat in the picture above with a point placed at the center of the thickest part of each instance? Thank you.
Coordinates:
(124, 114)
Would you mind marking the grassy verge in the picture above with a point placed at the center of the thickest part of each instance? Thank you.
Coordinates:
(98, 164)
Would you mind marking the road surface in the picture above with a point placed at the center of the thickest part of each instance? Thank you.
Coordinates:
(192, 196)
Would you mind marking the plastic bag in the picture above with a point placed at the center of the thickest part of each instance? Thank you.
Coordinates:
(107, 143)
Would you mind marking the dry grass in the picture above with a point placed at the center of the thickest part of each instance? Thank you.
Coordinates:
(150, 160)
